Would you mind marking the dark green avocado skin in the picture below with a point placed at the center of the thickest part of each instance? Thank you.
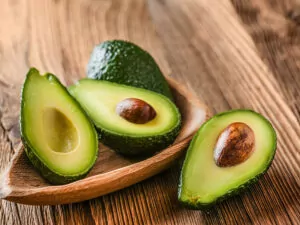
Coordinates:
(196, 205)
(46, 172)
(126, 63)
(193, 204)
(142, 146)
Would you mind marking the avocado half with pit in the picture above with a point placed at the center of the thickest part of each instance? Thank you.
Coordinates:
(59, 138)
(229, 152)
(130, 120)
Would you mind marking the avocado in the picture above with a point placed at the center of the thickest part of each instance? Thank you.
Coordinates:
(126, 63)
(228, 153)
(130, 120)
(59, 139)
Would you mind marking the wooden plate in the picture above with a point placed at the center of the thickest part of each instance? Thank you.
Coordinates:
(21, 183)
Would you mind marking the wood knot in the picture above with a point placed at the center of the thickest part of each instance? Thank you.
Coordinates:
(294, 15)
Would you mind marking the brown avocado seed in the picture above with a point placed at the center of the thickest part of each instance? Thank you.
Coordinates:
(135, 110)
(234, 145)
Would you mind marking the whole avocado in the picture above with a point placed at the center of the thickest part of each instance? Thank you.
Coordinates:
(126, 63)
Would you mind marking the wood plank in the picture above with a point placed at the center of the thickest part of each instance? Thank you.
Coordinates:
(14, 64)
(277, 37)
(211, 36)
(206, 47)
(58, 37)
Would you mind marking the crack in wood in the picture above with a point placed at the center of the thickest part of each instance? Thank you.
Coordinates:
(5, 134)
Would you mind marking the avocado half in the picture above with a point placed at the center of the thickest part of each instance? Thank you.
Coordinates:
(203, 183)
(100, 99)
(126, 63)
(59, 139)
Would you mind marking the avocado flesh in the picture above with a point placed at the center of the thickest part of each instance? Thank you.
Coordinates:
(59, 139)
(202, 182)
(126, 63)
(100, 98)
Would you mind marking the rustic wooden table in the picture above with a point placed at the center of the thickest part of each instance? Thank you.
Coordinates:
(232, 54)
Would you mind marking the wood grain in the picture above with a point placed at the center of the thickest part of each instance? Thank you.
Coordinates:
(216, 48)
(245, 82)
(277, 38)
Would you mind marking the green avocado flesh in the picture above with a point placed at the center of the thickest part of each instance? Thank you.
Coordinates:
(126, 63)
(202, 182)
(100, 99)
(59, 139)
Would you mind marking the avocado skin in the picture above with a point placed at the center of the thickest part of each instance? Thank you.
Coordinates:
(193, 204)
(46, 172)
(196, 205)
(142, 146)
(126, 63)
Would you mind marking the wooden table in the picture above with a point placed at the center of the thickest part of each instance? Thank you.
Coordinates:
(239, 54)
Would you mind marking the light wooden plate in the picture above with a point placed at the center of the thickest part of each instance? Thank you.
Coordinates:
(21, 183)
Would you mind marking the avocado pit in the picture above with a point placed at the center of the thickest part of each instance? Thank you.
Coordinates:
(234, 145)
(135, 110)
